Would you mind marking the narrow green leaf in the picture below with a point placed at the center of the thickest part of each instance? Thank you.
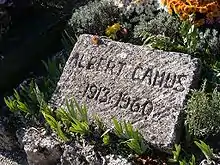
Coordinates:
(17, 96)
(11, 104)
(60, 132)
(23, 107)
(193, 160)
(50, 120)
(117, 127)
(128, 130)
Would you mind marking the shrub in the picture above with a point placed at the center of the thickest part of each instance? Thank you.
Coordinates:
(94, 17)
(203, 114)
(163, 24)
(174, 35)
(136, 13)
(209, 41)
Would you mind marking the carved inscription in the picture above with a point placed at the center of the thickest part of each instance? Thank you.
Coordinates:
(122, 100)
(99, 64)
(153, 77)
(140, 73)
(146, 87)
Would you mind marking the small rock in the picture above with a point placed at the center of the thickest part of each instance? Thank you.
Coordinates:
(40, 148)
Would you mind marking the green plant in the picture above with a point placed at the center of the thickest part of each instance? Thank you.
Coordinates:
(135, 13)
(162, 24)
(106, 137)
(133, 138)
(167, 32)
(161, 42)
(24, 100)
(99, 123)
(94, 17)
(68, 39)
(184, 39)
(193, 160)
(179, 159)
(30, 97)
(53, 68)
(206, 150)
(74, 117)
(189, 36)
(209, 41)
(203, 113)
(55, 126)
(15, 104)
(176, 154)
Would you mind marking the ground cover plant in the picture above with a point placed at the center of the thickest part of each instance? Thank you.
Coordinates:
(182, 26)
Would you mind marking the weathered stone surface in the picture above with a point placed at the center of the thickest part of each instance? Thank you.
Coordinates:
(14, 157)
(40, 148)
(146, 87)
(78, 153)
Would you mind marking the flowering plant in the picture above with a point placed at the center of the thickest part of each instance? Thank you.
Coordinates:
(199, 12)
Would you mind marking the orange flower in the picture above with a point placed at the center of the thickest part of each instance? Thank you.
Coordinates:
(199, 22)
(180, 7)
(203, 9)
(188, 9)
(208, 9)
(184, 16)
(176, 7)
(212, 6)
(163, 2)
(170, 11)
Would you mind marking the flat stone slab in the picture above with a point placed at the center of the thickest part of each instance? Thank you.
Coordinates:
(144, 86)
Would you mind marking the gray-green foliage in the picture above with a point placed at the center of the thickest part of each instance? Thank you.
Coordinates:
(169, 33)
(161, 24)
(134, 14)
(209, 41)
(94, 17)
(203, 113)
(137, 12)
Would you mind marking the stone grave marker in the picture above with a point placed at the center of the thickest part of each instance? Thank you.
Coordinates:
(144, 86)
